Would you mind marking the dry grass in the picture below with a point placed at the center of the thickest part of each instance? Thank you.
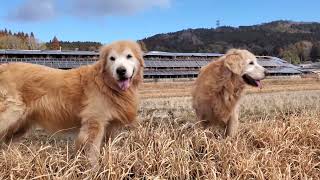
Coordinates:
(181, 89)
(279, 138)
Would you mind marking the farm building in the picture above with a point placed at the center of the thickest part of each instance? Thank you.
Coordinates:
(158, 64)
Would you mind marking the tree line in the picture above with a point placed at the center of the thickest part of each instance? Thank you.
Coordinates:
(19, 40)
(28, 41)
(55, 44)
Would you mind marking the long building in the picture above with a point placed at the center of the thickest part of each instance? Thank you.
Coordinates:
(158, 64)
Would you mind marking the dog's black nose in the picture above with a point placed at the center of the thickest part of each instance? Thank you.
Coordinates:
(121, 71)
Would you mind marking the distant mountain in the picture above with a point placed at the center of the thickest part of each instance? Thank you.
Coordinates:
(279, 38)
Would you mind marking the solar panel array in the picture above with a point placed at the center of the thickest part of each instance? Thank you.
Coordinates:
(54, 63)
(269, 63)
(176, 55)
(159, 67)
(284, 70)
(175, 63)
(170, 72)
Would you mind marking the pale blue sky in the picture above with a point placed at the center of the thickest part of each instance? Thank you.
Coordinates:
(105, 20)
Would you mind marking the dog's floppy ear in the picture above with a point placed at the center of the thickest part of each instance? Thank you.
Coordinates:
(139, 54)
(103, 53)
(234, 61)
(141, 60)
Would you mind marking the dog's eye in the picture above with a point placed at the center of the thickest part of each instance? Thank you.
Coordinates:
(251, 63)
(112, 58)
(129, 56)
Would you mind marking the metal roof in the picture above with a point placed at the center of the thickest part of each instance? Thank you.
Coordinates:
(284, 70)
(170, 72)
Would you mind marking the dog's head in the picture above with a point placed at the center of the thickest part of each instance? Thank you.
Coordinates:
(244, 64)
(123, 62)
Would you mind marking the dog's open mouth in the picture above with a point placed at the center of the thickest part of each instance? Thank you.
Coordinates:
(124, 84)
(249, 80)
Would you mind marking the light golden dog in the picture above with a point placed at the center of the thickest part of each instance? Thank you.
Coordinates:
(220, 86)
(91, 99)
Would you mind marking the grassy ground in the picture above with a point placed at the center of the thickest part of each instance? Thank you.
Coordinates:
(155, 90)
(279, 138)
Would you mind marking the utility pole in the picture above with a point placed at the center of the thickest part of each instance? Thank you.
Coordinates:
(217, 23)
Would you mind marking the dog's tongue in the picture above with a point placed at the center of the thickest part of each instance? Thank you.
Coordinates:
(259, 83)
(124, 84)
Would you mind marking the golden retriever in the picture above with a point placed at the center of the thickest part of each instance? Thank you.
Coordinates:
(92, 99)
(220, 85)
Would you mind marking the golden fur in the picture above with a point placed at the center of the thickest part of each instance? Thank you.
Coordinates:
(220, 86)
(86, 99)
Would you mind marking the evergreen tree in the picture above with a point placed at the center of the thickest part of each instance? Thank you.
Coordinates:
(55, 44)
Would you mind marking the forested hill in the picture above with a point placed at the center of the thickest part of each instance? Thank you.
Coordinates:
(294, 41)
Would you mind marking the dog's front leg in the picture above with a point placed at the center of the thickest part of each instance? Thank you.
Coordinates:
(90, 138)
(233, 123)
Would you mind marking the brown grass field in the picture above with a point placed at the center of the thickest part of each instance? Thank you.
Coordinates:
(279, 138)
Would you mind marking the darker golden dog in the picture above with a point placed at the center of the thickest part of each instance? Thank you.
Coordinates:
(220, 86)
